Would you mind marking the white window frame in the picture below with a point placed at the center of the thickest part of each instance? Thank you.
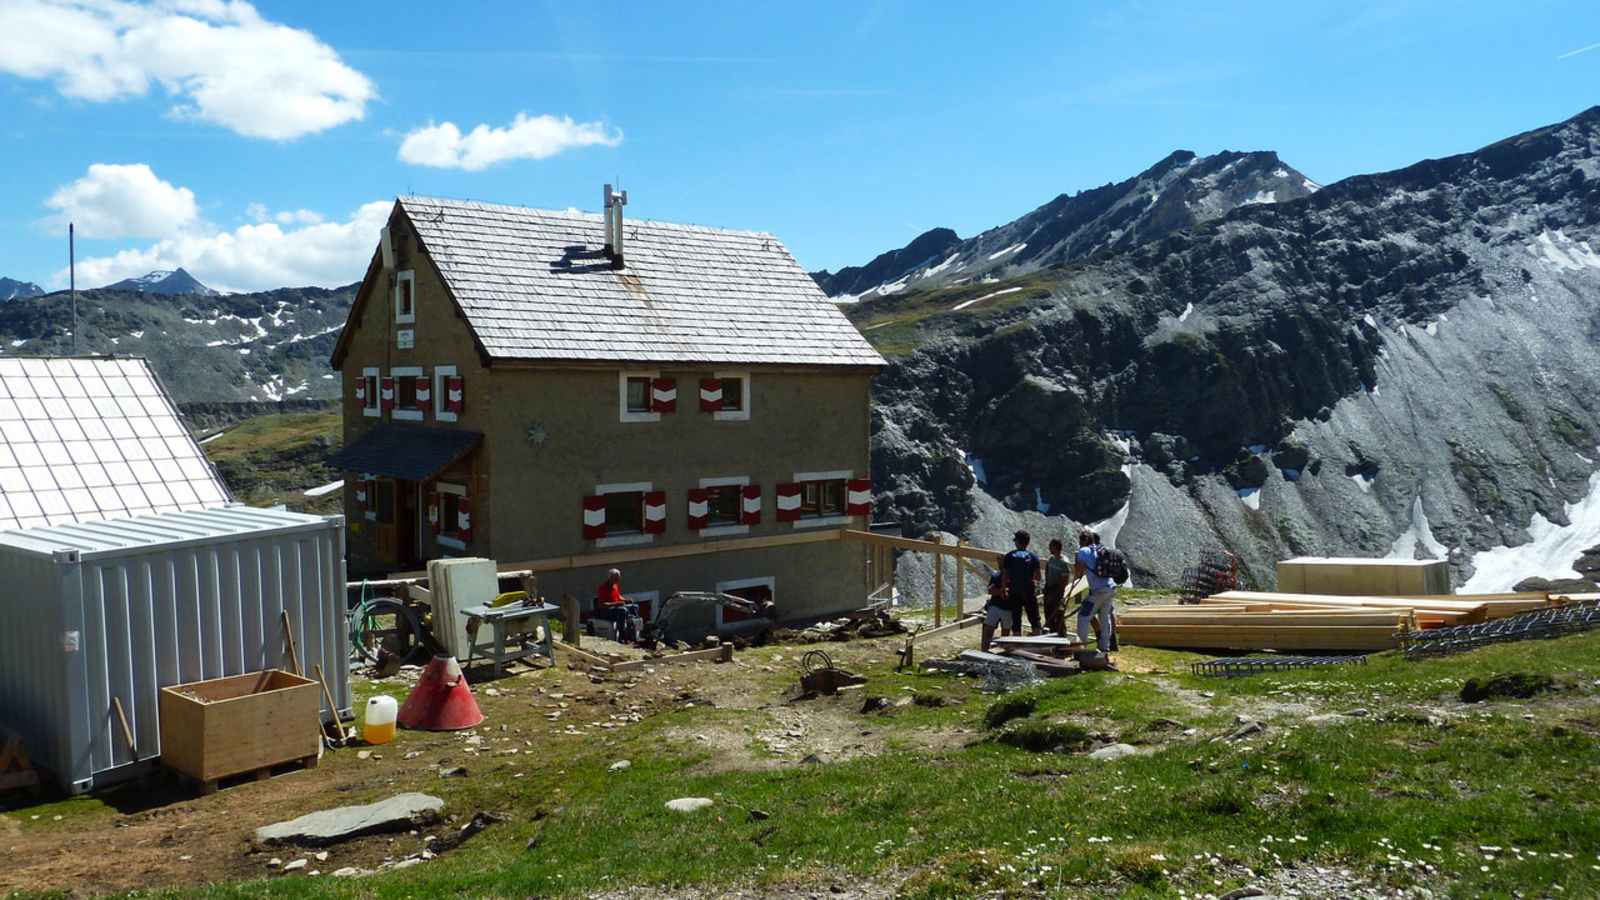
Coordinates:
(727, 530)
(460, 490)
(735, 415)
(625, 487)
(408, 276)
(405, 415)
(654, 598)
(622, 397)
(768, 582)
(374, 402)
(825, 521)
(440, 373)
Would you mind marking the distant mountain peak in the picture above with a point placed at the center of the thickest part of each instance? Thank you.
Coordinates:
(1179, 191)
(164, 281)
(12, 289)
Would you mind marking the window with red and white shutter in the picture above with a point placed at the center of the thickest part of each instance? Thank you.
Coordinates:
(788, 502)
(454, 394)
(750, 505)
(594, 517)
(655, 512)
(434, 524)
(463, 519)
(699, 508)
(858, 500)
(663, 395)
(361, 391)
(386, 393)
(710, 394)
(424, 393)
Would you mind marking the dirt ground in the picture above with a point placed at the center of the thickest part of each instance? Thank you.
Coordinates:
(161, 833)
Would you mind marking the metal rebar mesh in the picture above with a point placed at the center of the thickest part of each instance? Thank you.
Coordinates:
(1218, 571)
(1540, 623)
(1236, 666)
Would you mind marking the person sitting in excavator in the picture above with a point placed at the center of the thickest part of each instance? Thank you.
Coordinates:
(610, 605)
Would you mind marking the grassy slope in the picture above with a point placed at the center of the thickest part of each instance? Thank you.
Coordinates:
(900, 323)
(1376, 793)
(273, 459)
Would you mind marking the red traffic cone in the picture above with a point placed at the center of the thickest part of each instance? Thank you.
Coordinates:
(442, 700)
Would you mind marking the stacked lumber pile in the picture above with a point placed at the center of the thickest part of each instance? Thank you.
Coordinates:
(1256, 620)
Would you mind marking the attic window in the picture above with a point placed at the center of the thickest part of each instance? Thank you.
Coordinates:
(638, 395)
(635, 397)
(405, 301)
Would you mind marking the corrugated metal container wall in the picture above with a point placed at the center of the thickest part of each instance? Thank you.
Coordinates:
(118, 609)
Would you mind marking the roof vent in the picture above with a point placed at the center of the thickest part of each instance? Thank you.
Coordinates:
(615, 201)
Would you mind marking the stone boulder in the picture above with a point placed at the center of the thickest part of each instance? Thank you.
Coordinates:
(401, 812)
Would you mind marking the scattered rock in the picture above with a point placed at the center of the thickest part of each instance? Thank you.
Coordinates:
(1114, 751)
(480, 820)
(349, 872)
(413, 754)
(620, 766)
(274, 863)
(452, 771)
(320, 856)
(297, 865)
(1358, 712)
(1241, 893)
(757, 815)
(1245, 730)
(873, 704)
(330, 826)
(811, 760)
(689, 804)
(1519, 685)
(364, 754)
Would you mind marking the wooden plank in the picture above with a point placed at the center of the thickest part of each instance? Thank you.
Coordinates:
(1308, 617)
(672, 551)
(127, 733)
(584, 655)
(1048, 641)
(980, 554)
(1257, 637)
(723, 653)
(946, 628)
(420, 594)
(938, 588)
(1331, 600)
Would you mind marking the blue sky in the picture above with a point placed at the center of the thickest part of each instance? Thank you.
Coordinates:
(255, 145)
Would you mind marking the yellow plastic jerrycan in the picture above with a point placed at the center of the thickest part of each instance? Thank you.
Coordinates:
(377, 726)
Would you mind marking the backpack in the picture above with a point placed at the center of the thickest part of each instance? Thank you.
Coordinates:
(1110, 563)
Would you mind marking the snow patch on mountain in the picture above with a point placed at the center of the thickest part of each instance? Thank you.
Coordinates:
(1549, 554)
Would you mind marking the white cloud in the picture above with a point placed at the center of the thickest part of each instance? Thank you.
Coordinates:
(537, 137)
(114, 201)
(259, 213)
(254, 257)
(219, 60)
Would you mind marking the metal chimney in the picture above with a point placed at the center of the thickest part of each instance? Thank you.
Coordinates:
(614, 202)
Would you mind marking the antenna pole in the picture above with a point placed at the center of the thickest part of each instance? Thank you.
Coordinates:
(72, 275)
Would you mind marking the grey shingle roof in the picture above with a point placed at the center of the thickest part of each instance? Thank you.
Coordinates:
(535, 284)
(407, 452)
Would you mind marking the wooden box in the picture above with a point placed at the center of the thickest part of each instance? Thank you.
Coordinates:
(1364, 577)
(244, 723)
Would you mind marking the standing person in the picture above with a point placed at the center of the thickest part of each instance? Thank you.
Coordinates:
(997, 613)
(1102, 586)
(1022, 574)
(1057, 571)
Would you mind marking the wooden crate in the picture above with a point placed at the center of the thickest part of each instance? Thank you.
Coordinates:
(1375, 577)
(244, 723)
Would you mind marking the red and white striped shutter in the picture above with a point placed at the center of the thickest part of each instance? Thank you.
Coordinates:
(463, 518)
(594, 517)
(750, 505)
(364, 493)
(424, 392)
(710, 394)
(664, 395)
(386, 393)
(454, 393)
(361, 390)
(655, 512)
(858, 501)
(788, 503)
(433, 512)
(699, 508)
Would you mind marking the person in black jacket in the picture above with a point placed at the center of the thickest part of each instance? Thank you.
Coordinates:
(1022, 575)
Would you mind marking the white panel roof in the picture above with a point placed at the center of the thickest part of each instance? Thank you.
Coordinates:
(118, 536)
(87, 439)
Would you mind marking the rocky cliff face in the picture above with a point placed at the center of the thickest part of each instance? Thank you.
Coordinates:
(1401, 363)
(267, 346)
(1176, 193)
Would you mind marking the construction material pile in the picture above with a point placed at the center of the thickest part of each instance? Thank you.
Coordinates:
(1256, 620)
(862, 623)
(1217, 572)
(1581, 612)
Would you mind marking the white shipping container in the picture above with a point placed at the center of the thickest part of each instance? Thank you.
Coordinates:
(118, 609)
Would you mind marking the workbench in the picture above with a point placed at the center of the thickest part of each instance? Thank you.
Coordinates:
(523, 617)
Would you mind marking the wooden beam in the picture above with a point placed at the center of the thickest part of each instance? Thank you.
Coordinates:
(420, 594)
(723, 653)
(969, 552)
(1390, 618)
(957, 625)
(673, 551)
(127, 733)
(938, 588)
(1258, 637)
(584, 655)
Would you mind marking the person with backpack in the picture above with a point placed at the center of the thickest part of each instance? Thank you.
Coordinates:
(1022, 575)
(1104, 567)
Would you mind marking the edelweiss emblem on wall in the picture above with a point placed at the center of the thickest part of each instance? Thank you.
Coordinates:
(536, 434)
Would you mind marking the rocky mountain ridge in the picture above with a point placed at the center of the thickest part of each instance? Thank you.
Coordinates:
(1401, 363)
(1179, 191)
(265, 346)
(165, 282)
(12, 289)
